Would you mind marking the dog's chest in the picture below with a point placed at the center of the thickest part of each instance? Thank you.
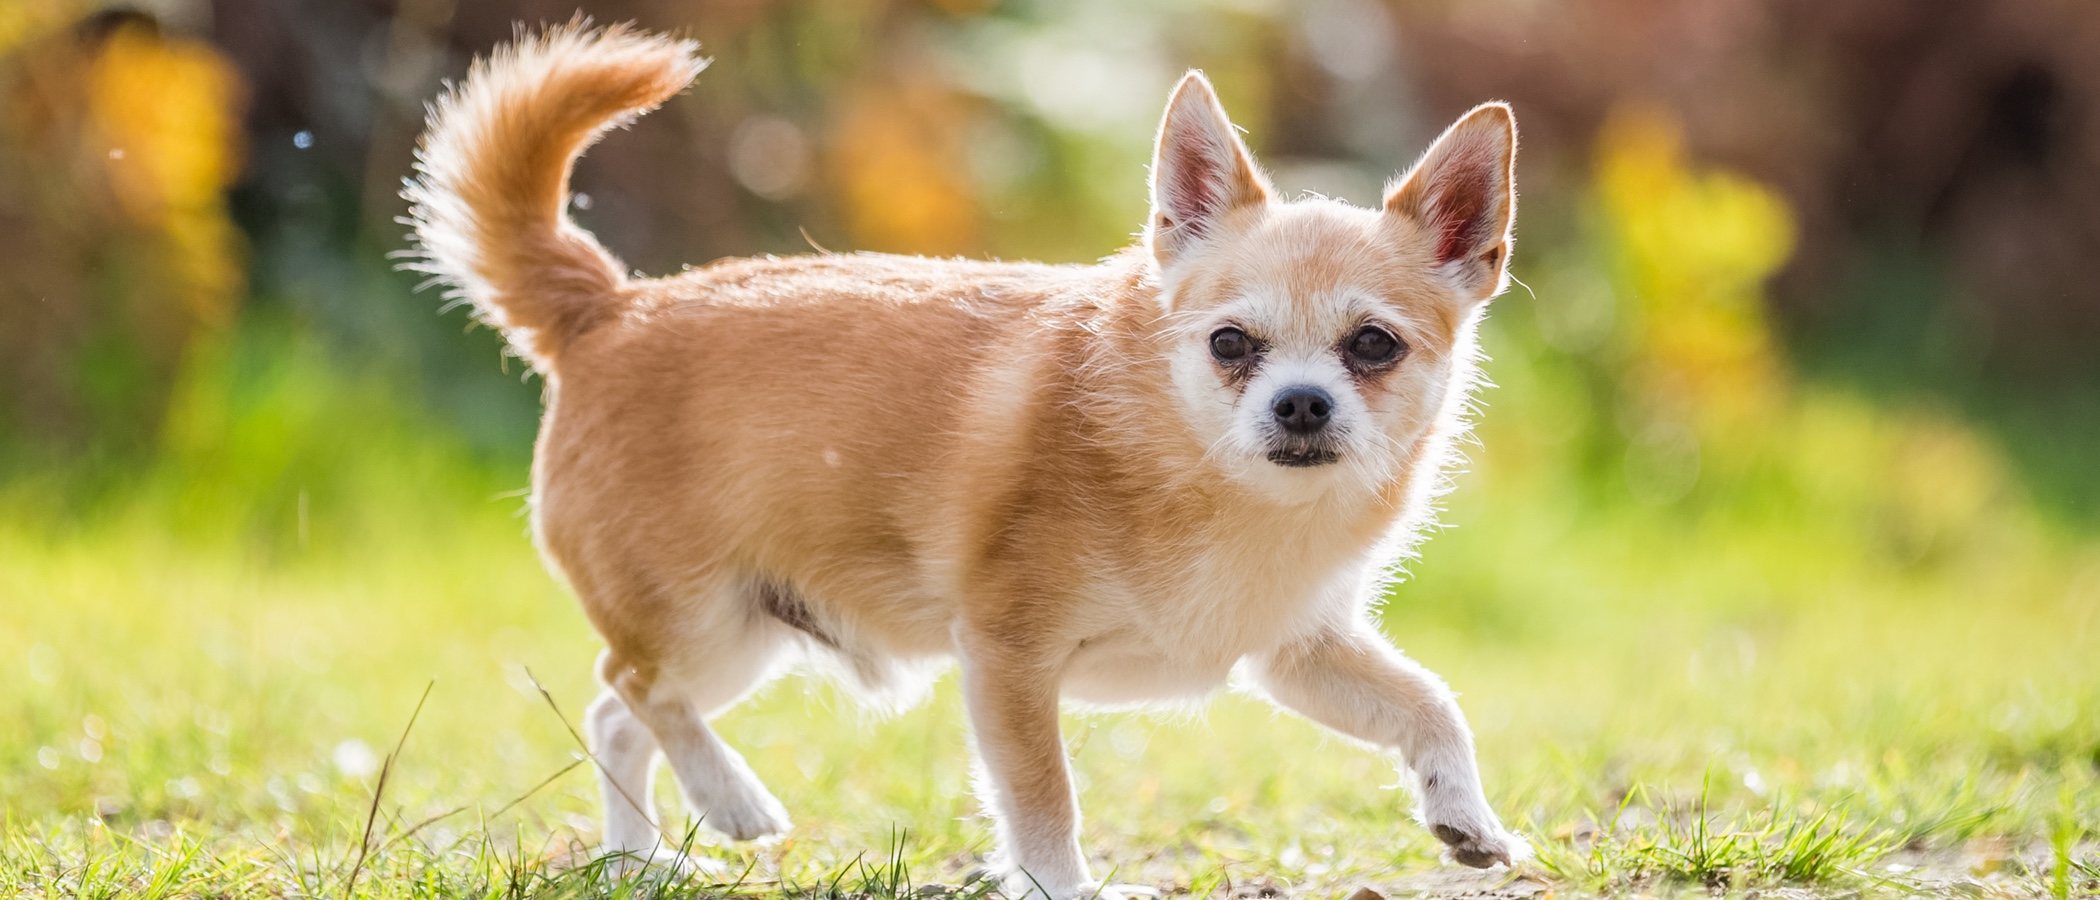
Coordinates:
(1177, 633)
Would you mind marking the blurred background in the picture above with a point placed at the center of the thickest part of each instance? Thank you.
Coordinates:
(1726, 204)
(1720, 200)
(1804, 366)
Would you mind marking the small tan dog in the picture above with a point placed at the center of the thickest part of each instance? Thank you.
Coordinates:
(1115, 482)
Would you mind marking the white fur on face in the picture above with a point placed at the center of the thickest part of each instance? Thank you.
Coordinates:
(1302, 338)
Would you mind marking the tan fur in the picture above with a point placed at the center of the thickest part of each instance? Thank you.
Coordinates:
(878, 462)
(491, 207)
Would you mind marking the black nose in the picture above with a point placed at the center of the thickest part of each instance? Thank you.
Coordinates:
(1302, 409)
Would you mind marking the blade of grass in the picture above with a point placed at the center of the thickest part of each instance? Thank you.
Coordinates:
(386, 770)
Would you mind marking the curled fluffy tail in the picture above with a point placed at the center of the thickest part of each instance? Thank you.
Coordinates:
(492, 188)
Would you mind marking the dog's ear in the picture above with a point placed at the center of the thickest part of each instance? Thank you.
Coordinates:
(1200, 170)
(1463, 197)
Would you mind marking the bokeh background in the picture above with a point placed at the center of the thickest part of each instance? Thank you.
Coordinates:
(1726, 204)
(1794, 461)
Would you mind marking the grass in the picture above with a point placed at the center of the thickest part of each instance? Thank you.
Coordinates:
(1785, 847)
(1803, 671)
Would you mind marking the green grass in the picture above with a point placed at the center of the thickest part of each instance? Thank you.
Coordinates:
(1810, 669)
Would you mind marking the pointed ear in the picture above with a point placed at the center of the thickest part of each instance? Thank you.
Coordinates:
(1463, 196)
(1200, 170)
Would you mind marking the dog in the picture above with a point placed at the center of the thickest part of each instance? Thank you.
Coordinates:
(1118, 483)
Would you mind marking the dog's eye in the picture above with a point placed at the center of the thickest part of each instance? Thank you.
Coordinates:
(1373, 345)
(1230, 344)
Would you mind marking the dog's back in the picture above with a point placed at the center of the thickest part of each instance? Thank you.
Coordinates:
(751, 416)
(786, 419)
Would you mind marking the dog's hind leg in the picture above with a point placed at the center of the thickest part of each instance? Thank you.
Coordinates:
(715, 663)
(625, 753)
(626, 756)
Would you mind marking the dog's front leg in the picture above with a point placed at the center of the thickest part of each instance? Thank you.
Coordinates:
(1011, 692)
(1354, 681)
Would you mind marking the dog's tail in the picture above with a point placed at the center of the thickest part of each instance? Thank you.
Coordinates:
(489, 202)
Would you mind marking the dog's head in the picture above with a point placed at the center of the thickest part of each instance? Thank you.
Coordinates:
(1315, 344)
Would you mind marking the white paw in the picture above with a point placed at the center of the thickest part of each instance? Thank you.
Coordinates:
(667, 863)
(745, 813)
(1454, 810)
(1481, 845)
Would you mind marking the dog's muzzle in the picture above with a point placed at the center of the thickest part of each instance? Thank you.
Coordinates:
(1300, 415)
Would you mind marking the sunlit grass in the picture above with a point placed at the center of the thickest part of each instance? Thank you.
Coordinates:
(1692, 846)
